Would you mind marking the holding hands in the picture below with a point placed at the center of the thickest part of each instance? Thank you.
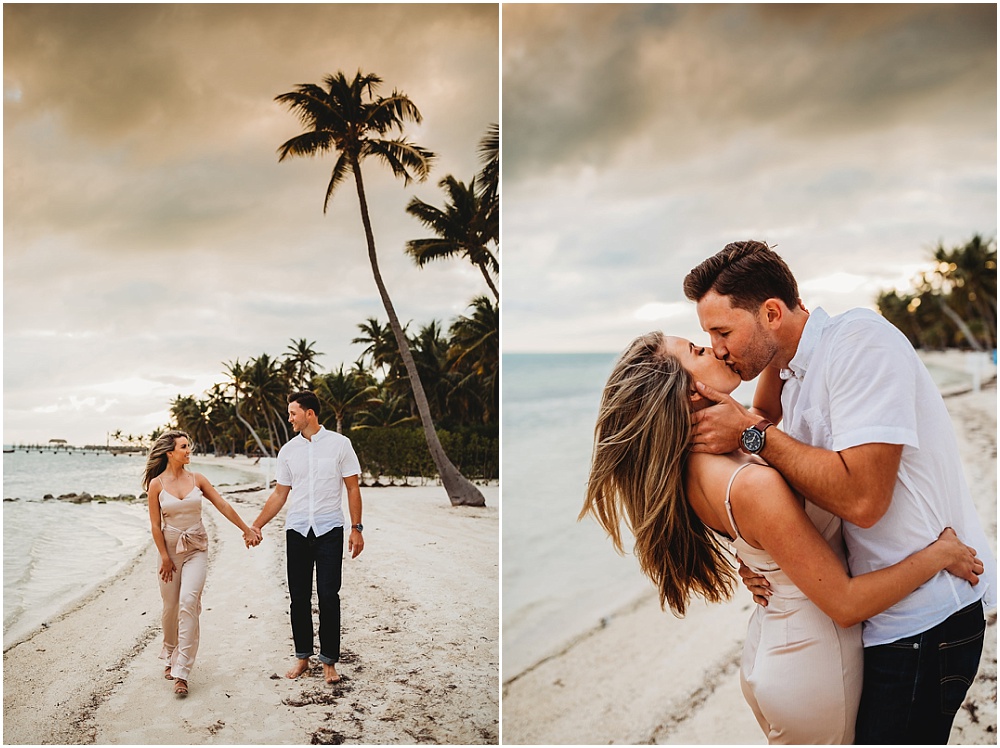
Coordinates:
(252, 537)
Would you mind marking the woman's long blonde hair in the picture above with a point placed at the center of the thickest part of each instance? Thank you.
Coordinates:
(156, 460)
(637, 475)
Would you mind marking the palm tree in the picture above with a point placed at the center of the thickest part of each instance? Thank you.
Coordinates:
(191, 416)
(344, 392)
(969, 274)
(238, 374)
(301, 359)
(475, 353)
(430, 351)
(349, 119)
(464, 227)
(225, 427)
(380, 347)
(266, 389)
(384, 409)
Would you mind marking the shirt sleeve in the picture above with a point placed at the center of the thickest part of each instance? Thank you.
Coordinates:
(871, 380)
(283, 473)
(349, 464)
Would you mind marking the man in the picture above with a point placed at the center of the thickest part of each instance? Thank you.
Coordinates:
(313, 470)
(868, 438)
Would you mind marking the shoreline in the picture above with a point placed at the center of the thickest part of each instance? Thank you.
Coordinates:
(420, 654)
(669, 681)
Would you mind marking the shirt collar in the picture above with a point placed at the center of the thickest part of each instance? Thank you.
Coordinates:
(321, 434)
(799, 364)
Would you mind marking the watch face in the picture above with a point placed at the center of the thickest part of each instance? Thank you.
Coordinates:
(753, 440)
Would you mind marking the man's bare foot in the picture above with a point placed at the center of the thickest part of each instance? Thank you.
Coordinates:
(298, 668)
(330, 673)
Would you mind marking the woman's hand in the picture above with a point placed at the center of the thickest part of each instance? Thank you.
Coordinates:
(252, 537)
(167, 568)
(964, 563)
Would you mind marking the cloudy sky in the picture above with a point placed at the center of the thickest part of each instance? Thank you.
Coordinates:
(150, 234)
(639, 140)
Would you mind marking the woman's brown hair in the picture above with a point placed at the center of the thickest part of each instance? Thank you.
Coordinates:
(156, 460)
(637, 475)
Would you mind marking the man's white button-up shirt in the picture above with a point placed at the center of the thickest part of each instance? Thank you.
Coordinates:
(315, 470)
(855, 379)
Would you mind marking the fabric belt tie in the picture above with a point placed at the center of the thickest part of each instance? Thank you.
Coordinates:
(191, 539)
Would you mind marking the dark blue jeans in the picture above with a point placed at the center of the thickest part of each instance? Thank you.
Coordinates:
(914, 686)
(325, 553)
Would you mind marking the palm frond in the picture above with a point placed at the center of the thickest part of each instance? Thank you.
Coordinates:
(489, 146)
(340, 171)
(407, 160)
(429, 215)
(315, 108)
(310, 143)
(390, 112)
(424, 250)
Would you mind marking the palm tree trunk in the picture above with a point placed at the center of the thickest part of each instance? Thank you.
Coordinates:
(960, 323)
(461, 491)
(489, 281)
(246, 423)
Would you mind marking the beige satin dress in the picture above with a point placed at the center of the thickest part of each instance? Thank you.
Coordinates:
(187, 546)
(801, 673)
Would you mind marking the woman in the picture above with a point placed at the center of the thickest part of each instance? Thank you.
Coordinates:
(802, 659)
(175, 498)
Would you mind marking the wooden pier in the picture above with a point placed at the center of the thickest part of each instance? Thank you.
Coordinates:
(70, 450)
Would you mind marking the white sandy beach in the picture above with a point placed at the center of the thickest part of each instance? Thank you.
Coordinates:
(420, 650)
(643, 677)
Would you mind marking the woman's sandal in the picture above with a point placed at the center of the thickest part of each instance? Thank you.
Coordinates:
(166, 673)
(181, 687)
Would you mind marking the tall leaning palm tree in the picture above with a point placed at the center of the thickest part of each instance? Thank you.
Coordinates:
(349, 118)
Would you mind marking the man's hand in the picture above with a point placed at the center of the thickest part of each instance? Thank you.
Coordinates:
(253, 537)
(355, 543)
(717, 429)
(758, 585)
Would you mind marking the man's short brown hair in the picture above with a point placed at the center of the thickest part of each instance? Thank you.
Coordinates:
(748, 272)
(306, 399)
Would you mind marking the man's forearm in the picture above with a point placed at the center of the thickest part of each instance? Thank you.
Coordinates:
(855, 485)
(271, 507)
(354, 505)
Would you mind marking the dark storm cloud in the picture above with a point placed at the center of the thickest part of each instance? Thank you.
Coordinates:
(579, 84)
(639, 139)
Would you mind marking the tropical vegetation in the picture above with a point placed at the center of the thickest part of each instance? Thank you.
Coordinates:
(953, 304)
(369, 400)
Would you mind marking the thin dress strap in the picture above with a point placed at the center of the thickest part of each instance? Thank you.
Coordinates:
(729, 508)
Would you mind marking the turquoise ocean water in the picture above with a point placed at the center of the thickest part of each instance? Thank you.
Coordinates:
(560, 576)
(55, 553)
